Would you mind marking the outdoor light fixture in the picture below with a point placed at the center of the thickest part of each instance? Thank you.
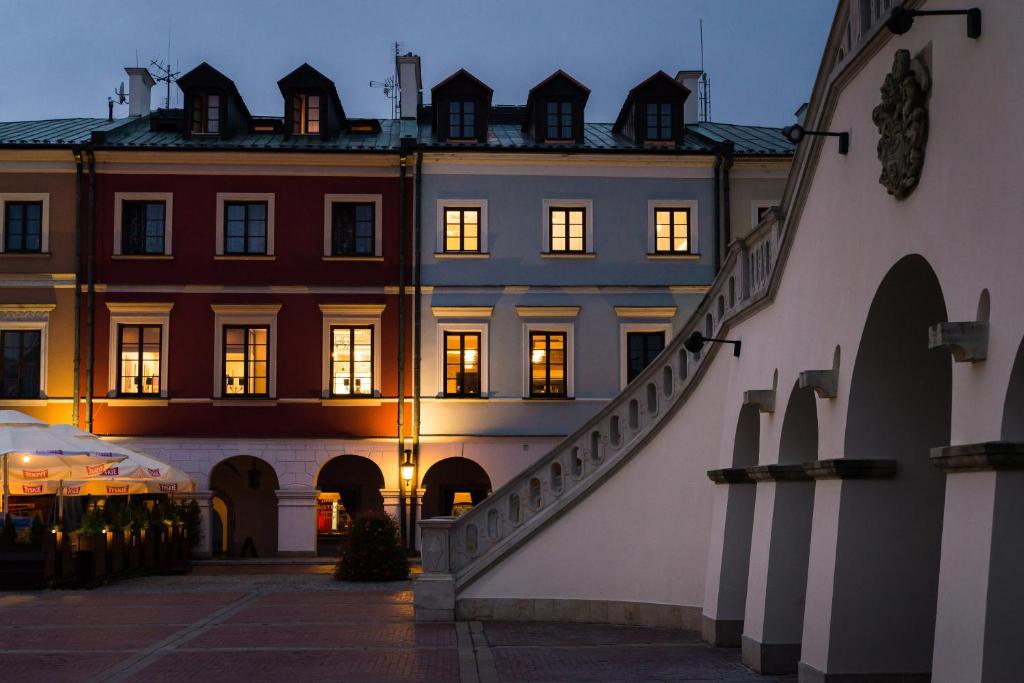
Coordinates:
(696, 341)
(901, 19)
(25, 458)
(407, 469)
(796, 133)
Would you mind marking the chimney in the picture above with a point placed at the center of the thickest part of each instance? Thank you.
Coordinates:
(691, 108)
(140, 83)
(410, 86)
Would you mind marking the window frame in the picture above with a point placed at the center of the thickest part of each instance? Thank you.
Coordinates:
(204, 113)
(300, 126)
(223, 199)
(118, 354)
(120, 197)
(462, 120)
(566, 328)
(567, 210)
(350, 315)
(444, 205)
(672, 210)
(480, 328)
(29, 318)
(244, 315)
(757, 205)
(653, 205)
(661, 132)
(547, 205)
(549, 336)
(246, 327)
(44, 220)
(462, 230)
(373, 352)
(624, 331)
(4, 331)
(137, 314)
(559, 106)
(378, 240)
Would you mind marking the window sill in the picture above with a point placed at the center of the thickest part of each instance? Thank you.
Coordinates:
(461, 255)
(369, 402)
(137, 402)
(552, 399)
(142, 257)
(243, 257)
(378, 259)
(551, 254)
(246, 402)
(673, 257)
(462, 399)
(26, 254)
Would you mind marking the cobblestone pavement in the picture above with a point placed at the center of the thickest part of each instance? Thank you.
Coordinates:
(304, 626)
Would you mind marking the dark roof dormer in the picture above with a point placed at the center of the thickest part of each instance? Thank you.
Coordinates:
(653, 112)
(554, 109)
(311, 104)
(461, 105)
(213, 105)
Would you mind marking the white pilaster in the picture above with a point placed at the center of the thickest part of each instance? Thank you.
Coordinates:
(296, 522)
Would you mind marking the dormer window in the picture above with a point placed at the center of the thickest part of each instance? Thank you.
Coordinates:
(305, 114)
(559, 121)
(206, 114)
(659, 121)
(461, 116)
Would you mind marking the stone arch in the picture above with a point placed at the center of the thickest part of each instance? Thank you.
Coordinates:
(747, 443)
(798, 442)
(247, 486)
(1012, 428)
(880, 615)
(348, 484)
(447, 477)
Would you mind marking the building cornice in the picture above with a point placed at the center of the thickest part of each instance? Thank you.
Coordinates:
(352, 309)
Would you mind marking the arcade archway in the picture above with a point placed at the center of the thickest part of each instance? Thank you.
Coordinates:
(447, 477)
(348, 485)
(245, 503)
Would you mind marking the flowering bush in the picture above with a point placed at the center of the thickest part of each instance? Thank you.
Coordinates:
(372, 551)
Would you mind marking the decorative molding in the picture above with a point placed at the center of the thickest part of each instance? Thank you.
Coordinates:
(762, 399)
(902, 122)
(155, 307)
(547, 311)
(462, 311)
(730, 475)
(824, 382)
(246, 309)
(979, 457)
(646, 311)
(778, 473)
(967, 341)
(851, 468)
(26, 312)
(352, 309)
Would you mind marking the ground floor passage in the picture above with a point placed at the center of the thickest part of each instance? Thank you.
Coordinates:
(226, 625)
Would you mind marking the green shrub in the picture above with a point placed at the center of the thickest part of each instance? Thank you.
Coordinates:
(93, 522)
(372, 551)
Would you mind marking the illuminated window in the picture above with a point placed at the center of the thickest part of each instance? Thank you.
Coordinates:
(139, 359)
(305, 114)
(142, 227)
(246, 361)
(641, 349)
(672, 231)
(23, 227)
(559, 121)
(461, 364)
(659, 121)
(547, 365)
(568, 230)
(21, 363)
(245, 228)
(206, 114)
(461, 229)
(351, 361)
(461, 119)
(352, 227)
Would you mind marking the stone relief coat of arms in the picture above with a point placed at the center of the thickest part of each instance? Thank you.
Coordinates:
(902, 121)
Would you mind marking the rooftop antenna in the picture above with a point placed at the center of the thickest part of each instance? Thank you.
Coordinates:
(704, 84)
(164, 73)
(390, 86)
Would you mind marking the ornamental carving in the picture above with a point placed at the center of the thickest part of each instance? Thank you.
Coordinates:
(902, 121)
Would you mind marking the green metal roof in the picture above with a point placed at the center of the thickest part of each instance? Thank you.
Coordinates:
(52, 132)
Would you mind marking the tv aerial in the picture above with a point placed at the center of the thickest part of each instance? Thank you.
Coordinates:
(390, 87)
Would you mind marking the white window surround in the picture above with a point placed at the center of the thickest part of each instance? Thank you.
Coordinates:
(443, 204)
(378, 239)
(693, 226)
(480, 327)
(44, 228)
(759, 204)
(588, 227)
(624, 330)
(138, 314)
(359, 315)
(570, 359)
(166, 197)
(29, 317)
(243, 314)
(224, 197)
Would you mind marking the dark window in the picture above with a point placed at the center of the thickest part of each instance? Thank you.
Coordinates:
(659, 121)
(206, 114)
(246, 361)
(139, 359)
(547, 365)
(672, 231)
(461, 229)
(142, 227)
(461, 364)
(352, 229)
(559, 121)
(305, 114)
(23, 227)
(352, 361)
(21, 363)
(245, 228)
(641, 349)
(762, 211)
(568, 230)
(461, 115)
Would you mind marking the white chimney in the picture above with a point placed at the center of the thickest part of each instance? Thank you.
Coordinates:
(691, 109)
(140, 84)
(410, 86)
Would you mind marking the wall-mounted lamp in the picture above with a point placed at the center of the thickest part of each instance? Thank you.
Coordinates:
(407, 469)
(696, 341)
(796, 133)
(901, 19)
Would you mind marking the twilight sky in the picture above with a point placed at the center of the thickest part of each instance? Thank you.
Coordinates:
(62, 58)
